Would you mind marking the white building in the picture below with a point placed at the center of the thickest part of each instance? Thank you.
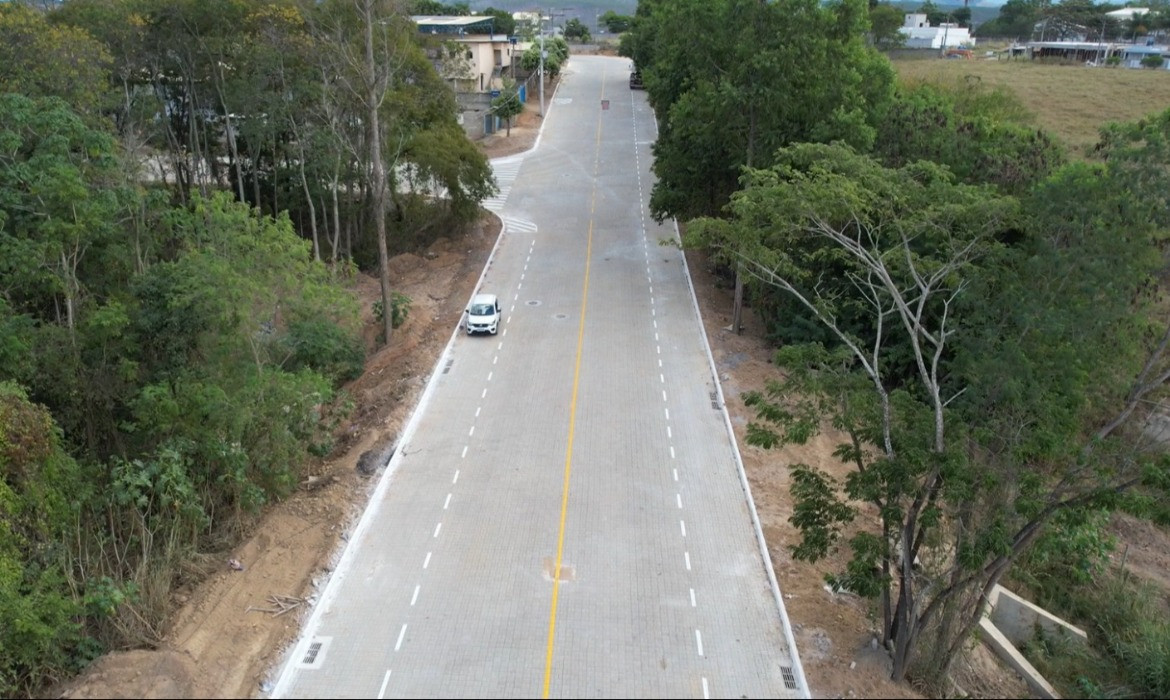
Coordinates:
(474, 61)
(532, 19)
(1125, 14)
(920, 35)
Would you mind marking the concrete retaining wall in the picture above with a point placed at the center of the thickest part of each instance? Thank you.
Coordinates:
(1011, 622)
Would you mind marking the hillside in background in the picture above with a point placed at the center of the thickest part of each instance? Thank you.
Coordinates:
(982, 11)
(587, 11)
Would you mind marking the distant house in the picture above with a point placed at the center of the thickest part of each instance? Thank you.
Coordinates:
(1132, 56)
(474, 60)
(530, 19)
(920, 35)
(1098, 53)
(1093, 52)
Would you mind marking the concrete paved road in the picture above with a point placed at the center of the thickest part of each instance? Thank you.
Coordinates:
(566, 516)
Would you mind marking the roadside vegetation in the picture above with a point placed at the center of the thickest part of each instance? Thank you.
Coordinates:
(960, 275)
(187, 189)
(960, 288)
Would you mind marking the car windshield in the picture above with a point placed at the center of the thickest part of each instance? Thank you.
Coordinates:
(482, 310)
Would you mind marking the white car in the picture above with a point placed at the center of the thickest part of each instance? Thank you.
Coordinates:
(483, 314)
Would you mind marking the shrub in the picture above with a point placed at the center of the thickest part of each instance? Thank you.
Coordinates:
(325, 347)
(399, 309)
(1152, 62)
(1129, 652)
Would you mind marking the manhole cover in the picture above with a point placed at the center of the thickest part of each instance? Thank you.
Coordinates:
(560, 316)
(532, 302)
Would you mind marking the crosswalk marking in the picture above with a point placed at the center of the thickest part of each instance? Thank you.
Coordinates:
(514, 225)
(505, 170)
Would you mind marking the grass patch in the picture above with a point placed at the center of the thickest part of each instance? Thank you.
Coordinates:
(1129, 652)
(1070, 101)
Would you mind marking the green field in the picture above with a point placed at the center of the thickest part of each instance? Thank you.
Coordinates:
(1071, 102)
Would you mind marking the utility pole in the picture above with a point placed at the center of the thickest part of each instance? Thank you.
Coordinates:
(1104, 17)
(542, 67)
(542, 51)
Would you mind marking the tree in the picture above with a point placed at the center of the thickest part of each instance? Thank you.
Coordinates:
(558, 53)
(983, 136)
(40, 628)
(615, 23)
(934, 14)
(374, 80)
(575, 29)
(964, 465)
(433, 7)
(504, 23)
(1016, 18)
(778, 73)
(1069, 19)
(55, 208)
(38, 59)
(884, 21)
(508, 105)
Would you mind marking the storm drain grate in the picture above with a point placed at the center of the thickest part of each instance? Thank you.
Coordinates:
(447, 367)
(714, 400)
(315, 653)
(789, 677)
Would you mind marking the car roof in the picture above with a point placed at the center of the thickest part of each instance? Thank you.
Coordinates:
(483, 299)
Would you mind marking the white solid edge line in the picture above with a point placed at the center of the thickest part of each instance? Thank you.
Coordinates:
(797, 667)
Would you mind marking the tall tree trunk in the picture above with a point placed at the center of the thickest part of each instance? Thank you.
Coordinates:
(256, 176)
(312, 211)
(275, 184)
(336, 218)
(737, 306)
(230, 130)
(373, 101)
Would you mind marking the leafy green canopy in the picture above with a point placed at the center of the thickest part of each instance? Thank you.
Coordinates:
(557, 50)
(983, 356)
(266, 98)
(42, 60)
(40, 488)
(981, 135)
(615, 23)
(189, 354)
(773, 74)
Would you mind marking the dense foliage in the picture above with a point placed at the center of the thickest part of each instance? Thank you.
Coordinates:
(773, 74)
(983, 354)
(185, 186)
(968, 309)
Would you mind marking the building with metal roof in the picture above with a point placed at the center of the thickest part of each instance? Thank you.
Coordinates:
(459, 25)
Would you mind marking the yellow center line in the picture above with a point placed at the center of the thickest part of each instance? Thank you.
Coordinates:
(552, 617)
